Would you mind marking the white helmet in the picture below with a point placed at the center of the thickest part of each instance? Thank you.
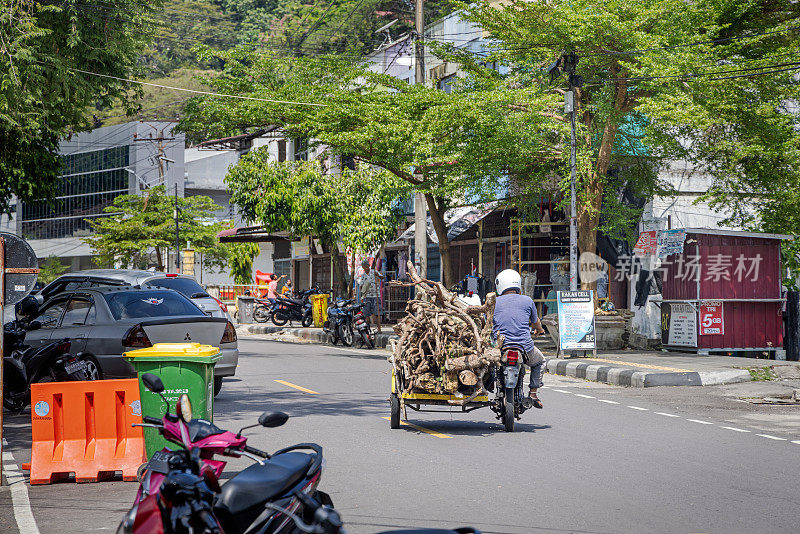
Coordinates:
(508, 279)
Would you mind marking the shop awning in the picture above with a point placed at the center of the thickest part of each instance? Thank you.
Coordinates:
(458, 220)
(253, 234)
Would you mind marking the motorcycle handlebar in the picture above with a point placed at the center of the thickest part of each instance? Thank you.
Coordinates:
(251, 450)
(152, 420)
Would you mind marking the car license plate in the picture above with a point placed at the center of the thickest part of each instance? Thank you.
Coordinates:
(159, 462)
(79, 365)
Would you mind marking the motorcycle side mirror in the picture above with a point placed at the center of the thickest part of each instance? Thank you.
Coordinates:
(268, 420)
(272, 419)
(153, 383)
(34, 325)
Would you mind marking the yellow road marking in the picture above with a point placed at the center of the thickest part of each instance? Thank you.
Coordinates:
(295, 386)
(421, 429)
(646, 366)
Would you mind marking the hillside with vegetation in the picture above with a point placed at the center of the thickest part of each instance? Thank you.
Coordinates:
(275, 27)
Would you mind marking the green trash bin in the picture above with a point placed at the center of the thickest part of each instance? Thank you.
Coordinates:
(184, 368)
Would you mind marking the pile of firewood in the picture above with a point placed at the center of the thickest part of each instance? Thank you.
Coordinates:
(444, 344)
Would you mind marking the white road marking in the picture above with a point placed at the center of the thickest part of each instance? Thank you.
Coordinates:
(638, 408)
(584, 396)
(608, 401)
(26, 524)
(699, 421)
(776, 438)
(735, 429)
(796, 442)
(560, 391)
(666, 414)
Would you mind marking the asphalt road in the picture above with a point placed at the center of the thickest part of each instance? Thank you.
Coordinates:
(596, 459)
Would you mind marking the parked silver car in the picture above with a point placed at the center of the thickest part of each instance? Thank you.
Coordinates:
(104, 322)
(186, 285)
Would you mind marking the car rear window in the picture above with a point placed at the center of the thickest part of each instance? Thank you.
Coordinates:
(185, 286)
(144, 304)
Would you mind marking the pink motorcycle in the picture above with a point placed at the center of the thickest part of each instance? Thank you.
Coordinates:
(269, 496)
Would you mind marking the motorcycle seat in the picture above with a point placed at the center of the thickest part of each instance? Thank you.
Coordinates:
(259, 483)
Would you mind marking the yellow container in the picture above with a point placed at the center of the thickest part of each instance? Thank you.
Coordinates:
(174, 349)
(319, 308)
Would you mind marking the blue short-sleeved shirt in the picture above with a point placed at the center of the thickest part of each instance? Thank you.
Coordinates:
(513, 315)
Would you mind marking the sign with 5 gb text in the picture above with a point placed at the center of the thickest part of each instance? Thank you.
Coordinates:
(576, 320)
(712, 322)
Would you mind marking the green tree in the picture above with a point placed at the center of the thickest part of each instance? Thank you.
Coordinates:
(43, 95)
(241, 261)
(50, 269)
(658, 72)
(140, 230)
(454, 148)
(357, 208)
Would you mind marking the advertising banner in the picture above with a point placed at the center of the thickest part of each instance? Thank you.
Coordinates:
(576, 328)
(670, 242)
(647, 243)
(712, 322)
(678, 324)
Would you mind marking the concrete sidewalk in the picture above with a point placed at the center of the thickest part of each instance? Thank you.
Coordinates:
(315, 335)
(651, 368)
(620, 368)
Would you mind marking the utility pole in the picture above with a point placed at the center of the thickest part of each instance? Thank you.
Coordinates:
(177, 235)
(570, 62)
(420, 207)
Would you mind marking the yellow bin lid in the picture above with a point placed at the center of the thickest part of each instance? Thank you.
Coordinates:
(173, 350)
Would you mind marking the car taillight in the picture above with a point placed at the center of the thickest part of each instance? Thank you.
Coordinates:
(229, 336)
(172, 275)
(136, 337)
(222, 305)
(512, 357)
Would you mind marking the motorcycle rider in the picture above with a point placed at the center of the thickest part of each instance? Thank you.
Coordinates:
(514, 315)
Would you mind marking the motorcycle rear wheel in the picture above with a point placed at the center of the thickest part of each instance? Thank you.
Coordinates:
(279, 319)
(346, 335)
(308, 320)
(261, 314)
(367, 339)
(508, 410)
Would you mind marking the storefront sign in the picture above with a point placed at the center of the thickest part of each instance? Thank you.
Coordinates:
(712, 322)
(647, 243)
(670, 242)
(576, 329)
(678, 324)
(300, 249)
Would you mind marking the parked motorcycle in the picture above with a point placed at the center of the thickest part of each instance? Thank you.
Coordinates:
(52, 362)
(179, 490)
(286, 310)
(263, 310)
(509, 402)
(345, 318)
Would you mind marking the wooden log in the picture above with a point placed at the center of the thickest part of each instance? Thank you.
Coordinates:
(467, 377)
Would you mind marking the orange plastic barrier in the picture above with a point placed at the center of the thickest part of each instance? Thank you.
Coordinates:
(85, 428)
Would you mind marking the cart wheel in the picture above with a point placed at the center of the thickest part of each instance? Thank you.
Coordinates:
(394, 401)
(508, 410)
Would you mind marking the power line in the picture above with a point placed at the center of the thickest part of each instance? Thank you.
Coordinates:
(198, 92)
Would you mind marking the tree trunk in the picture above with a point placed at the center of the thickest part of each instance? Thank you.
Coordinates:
(158, 260)
(437, 210)
(589, 210)
(338, 269)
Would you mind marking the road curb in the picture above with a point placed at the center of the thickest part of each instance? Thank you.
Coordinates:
(314, 336)
(626, 376)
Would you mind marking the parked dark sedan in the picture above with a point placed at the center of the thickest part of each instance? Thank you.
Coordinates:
(107, 321)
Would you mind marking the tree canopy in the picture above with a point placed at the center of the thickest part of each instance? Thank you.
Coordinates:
(141, 230)
(453, 147)
(43, 94)
(358, 209)
(663, 79)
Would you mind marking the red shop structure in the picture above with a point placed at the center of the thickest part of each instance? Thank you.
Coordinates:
(723, 293)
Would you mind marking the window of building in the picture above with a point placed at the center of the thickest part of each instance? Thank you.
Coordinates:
(301, 149)
(446, 83)
(282, 150)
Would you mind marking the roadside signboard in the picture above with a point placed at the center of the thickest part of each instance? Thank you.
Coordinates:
(576, 330)
(670, 242)
(647, 243)
(678, 324)
(712, 322)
